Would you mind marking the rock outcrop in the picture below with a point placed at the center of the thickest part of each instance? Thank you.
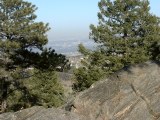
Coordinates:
(40, 113)
(132, 93)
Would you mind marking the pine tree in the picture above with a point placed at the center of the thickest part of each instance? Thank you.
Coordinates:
(42, 89)
(22, 43)
(18, 29)
(126, 34)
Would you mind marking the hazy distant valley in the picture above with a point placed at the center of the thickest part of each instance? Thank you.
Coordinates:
(70, 47)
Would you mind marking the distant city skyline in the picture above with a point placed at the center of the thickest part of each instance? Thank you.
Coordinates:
(70, 19)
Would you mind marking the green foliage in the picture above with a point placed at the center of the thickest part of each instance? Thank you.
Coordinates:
(22, 43)
(47, 59)
(21, 36)
(46, 87)
(127, 33)
(18, 29)
(86, 77)
(41, 89)
(155, 51)
(83, 50)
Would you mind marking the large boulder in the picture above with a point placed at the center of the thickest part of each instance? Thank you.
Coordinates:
(132, 93)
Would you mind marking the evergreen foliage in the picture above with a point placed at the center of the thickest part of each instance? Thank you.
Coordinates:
(127, 33)
(41, 89)
(47, 88)
(22, 43)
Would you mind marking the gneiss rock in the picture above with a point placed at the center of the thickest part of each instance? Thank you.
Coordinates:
(132, 93)
(40, 113)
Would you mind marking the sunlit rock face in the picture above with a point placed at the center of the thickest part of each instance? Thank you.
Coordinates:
(132, 93)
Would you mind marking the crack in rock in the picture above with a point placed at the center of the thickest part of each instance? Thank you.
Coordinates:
(120, 115)
(147, 102)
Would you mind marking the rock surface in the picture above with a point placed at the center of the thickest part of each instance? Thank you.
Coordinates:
(132, 93)
(40, 113)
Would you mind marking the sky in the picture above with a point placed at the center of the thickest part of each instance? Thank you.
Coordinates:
(69, 20)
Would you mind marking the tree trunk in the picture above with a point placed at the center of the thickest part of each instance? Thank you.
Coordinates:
(3, 106)
(4, 91)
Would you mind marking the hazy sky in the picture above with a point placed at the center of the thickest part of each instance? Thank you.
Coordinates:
(70, 19)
